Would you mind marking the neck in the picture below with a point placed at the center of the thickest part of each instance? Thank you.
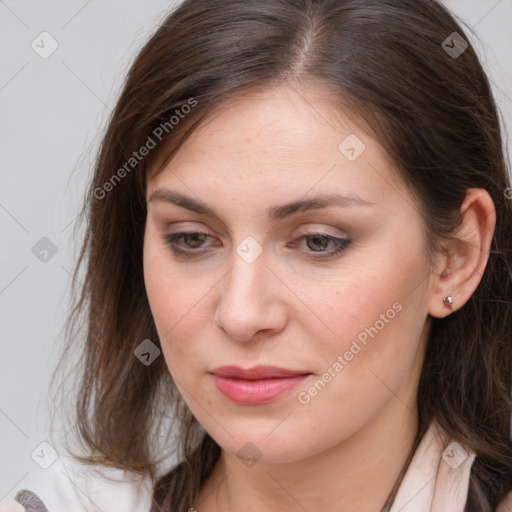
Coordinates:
(356, 475)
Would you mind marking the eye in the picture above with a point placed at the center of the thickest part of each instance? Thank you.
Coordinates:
(194, 241)
(318, 242)
(195, 238)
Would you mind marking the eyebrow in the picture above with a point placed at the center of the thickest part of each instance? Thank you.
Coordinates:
(277, 212)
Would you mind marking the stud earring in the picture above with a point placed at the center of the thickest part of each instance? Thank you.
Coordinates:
(448, 302)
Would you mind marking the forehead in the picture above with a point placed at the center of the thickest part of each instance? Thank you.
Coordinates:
(279, 139)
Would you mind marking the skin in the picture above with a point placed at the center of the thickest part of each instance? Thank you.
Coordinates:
(344, 449)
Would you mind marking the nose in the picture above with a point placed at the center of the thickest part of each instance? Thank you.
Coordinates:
(252, 301)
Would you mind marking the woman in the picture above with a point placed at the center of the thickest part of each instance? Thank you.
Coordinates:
(299, 235)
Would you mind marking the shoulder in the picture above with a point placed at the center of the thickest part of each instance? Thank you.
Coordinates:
(70, 486)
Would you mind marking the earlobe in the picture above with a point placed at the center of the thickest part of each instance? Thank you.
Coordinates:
(466, 255)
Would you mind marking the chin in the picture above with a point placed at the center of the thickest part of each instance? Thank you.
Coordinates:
(264, 445)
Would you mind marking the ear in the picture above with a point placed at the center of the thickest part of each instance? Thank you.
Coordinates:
(461, 267)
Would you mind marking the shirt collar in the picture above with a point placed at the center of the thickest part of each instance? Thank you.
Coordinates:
(437, 479)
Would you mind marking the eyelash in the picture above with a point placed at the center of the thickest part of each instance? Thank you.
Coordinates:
(171, 241)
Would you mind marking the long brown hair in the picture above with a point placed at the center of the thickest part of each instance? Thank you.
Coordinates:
(434, 113)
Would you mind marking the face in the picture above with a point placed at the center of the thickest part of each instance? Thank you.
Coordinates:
(336, 293)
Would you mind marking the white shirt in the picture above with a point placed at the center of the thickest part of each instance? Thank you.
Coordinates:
(68, 486)
(437, 480)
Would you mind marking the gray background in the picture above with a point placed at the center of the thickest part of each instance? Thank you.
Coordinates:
(53, 112)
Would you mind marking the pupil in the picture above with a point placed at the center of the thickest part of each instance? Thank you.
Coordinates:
(319, 237)
(195, 238)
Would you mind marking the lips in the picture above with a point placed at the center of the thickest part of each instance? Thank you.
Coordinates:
(256, 373)
(258, 385)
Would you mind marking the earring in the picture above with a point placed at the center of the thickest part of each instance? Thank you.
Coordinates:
(448, 302)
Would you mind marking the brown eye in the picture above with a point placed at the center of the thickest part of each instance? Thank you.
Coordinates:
(192, 240)
(320, 242)
(195, 238)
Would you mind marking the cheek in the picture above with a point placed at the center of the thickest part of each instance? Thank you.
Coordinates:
(167, 292)
(176, 299)
(367, 296)
(375, 314)
(374, 357)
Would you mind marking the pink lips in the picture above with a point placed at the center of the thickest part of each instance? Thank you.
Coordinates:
(257, 385)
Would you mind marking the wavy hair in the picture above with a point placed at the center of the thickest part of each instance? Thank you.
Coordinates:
(434, 114)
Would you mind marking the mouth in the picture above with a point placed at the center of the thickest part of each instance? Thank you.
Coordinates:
(258, 385)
